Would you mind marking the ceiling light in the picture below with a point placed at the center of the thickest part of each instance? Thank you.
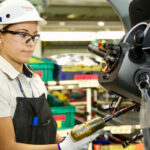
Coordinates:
(80, 36)
(101, 23)
(71, 16)
(110, 34)
(62, 23)
(67, 36)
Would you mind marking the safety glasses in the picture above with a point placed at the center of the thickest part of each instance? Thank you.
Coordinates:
(23, 36)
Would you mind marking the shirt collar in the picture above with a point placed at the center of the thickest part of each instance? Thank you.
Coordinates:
(10, 71)
(27, 71)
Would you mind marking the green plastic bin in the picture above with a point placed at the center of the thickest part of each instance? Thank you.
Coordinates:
(44, 68)
(64, 116)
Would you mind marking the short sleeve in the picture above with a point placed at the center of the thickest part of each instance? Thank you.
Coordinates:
(5, 109)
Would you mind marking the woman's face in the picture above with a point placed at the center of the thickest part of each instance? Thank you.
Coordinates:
(18, 48)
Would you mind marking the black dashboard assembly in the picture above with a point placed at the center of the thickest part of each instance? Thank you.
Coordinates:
(126, 63)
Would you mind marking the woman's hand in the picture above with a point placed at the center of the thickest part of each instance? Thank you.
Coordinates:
(70, 144)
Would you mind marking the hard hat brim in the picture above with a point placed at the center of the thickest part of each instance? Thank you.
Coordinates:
(40, 20)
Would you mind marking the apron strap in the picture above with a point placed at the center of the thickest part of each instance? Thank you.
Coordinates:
(21, 88)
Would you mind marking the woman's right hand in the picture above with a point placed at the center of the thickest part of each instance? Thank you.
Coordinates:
(70, 143)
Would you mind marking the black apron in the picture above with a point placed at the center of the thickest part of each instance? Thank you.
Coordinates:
(33, 120)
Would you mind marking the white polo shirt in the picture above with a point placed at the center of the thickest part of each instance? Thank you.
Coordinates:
(9, 87)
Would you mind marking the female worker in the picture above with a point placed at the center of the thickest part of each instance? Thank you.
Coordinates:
(26, 122)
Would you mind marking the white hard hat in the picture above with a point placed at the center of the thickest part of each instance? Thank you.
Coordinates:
(15, 11)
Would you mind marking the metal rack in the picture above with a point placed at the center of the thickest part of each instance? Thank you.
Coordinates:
(88, 85)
